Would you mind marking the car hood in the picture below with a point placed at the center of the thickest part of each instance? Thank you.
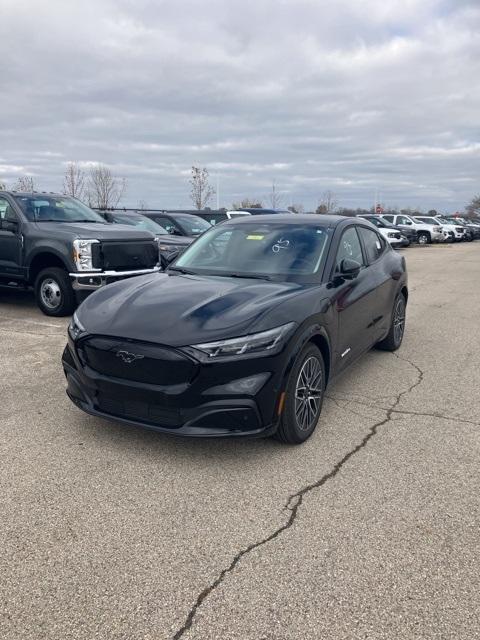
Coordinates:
(182, 309)
(84, 230)
(178, 241)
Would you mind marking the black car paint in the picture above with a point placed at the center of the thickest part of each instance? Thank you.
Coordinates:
(344, 318)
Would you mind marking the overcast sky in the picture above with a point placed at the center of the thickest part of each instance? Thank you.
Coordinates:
(346, 95)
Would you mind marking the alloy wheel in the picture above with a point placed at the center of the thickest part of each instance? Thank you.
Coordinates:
(399, 320)
(308, 393)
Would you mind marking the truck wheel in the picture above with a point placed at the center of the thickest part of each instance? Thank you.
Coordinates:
(54, 293)
(423, 238)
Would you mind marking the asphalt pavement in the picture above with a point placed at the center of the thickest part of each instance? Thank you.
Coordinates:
(368, 530)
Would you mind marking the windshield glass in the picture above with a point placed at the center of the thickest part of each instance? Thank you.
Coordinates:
(142, 222)
(257, 250)
(193, 225)
(44, 208)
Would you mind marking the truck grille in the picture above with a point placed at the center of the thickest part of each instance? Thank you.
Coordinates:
(136, 361)
(125, 256)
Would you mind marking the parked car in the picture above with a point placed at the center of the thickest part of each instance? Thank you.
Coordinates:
(392, 234)
(425, 233)
(469, 229)
(260, 211)
(434, 223)
(179, 224)
(242, 333)
(64, 250)
(214, 217)
(167, 243)
(458, 230)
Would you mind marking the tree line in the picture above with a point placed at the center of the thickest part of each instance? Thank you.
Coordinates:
(99, 188)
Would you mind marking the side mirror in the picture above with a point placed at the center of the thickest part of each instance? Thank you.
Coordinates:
(171, 231)
(9, 225)
(349, 269)
(165, 260)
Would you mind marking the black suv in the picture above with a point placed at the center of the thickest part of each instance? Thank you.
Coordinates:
(179, 224)
(65, 250)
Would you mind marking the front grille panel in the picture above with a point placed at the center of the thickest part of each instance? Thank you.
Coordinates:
(136, 361)
(139, 411)
(124, 256)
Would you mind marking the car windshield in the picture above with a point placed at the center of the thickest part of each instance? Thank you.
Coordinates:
(193, 225)
(257, 250)
(142, 222)
(43, 208)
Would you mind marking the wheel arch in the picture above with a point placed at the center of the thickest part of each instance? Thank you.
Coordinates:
(43, 260)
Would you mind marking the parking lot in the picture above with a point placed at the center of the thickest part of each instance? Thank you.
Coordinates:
(368, 530)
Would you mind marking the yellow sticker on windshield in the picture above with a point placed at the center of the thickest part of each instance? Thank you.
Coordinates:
(255, 237)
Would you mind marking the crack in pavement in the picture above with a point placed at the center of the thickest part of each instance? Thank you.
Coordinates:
(294, 503)
(434, 414)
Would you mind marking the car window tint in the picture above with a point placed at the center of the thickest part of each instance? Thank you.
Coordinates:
(6, 211)
(374, 245)
(389, 218)
(167, 224)
(349, 247)
(403, 220)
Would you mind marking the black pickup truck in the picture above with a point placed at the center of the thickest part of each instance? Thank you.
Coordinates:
(64, 250)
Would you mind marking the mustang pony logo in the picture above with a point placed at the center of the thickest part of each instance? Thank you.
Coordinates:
(128, 357)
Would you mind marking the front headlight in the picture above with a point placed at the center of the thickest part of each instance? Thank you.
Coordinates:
(264, 344)
(391, 234)
(75, 328)
(168, 248)
(82, 254)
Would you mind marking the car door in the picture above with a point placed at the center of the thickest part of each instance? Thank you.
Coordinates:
(10, 241)
(380, 278)
(353, 300)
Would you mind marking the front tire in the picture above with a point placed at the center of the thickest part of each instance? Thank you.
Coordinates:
(54, 293)
(394, 337)
(303, 397)
(424, 238)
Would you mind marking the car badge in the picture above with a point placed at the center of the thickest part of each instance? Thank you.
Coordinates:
(128, 357)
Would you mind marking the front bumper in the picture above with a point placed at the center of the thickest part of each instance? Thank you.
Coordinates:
(96, 279)
(187, 409)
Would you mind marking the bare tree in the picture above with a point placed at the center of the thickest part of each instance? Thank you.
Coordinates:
(24, 183)
(74, 181)
(274, 198)
(296, 208)
(328, 203)
(3, 185)
(248, 203)
(104, 191)
(201, 190)
(142, 205)
(473, 208)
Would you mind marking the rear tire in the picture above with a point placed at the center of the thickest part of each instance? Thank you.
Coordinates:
(303, 397)
(394, 337)
(54, 293)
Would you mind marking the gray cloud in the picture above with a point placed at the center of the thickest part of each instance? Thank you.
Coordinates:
(348, 96)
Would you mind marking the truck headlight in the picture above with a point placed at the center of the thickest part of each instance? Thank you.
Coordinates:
(82, 255)
(260, 344)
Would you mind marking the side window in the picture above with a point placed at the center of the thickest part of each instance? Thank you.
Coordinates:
(389, 218)
(167, 224)
(349, 247)
(403, 220)
(6, 211)
(374, 245)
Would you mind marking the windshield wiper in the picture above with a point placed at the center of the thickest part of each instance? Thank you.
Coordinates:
(253, 276)
(186, 272)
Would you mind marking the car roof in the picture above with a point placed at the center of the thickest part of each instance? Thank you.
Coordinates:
(33, 194)
(292, 219)
(169, 213)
